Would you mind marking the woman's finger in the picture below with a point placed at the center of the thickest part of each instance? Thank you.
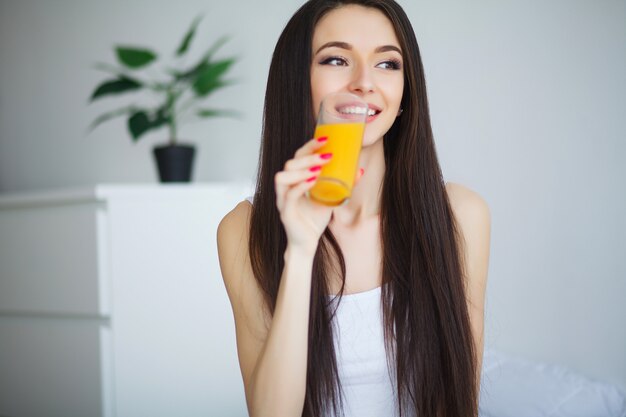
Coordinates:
(286, 180)
(289, 178)
(311, 146)
(359, 175)
(299, 190)
(296, 170)
(305, 164)
(308, 161)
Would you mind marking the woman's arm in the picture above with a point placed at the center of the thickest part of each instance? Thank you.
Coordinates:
(473, 219)
(272, 350)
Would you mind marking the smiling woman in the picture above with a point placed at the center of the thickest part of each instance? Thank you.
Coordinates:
(356, 49)
(375, 307)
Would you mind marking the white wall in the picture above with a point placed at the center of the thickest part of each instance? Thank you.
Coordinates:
(47, 51)
(527, 101)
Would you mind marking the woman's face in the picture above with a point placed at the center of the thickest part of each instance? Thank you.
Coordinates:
(355, 50)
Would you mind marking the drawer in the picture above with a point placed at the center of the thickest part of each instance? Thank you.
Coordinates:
(53, 367)
(53, 259)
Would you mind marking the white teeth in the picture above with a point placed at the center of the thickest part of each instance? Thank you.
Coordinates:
(353, 110)
(357, 110)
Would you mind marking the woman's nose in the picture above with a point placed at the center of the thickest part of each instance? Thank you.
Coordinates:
(362, 81)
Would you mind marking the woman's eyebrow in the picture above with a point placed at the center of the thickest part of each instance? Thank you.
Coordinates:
(342, 45)
(386, 48)
(345, 45)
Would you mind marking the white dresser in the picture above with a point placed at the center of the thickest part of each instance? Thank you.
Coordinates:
(112, 303)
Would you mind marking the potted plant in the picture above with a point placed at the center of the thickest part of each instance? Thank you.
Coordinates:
(180, 92)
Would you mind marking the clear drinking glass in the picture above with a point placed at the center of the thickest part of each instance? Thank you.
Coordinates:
(341, 118)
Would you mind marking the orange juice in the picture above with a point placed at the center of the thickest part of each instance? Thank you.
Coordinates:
(336, 178)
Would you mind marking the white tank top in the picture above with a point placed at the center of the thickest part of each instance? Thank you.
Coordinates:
(367, 384)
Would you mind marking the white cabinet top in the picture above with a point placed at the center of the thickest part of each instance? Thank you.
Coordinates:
(104, 192)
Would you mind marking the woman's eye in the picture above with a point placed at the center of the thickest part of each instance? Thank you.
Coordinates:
(392, 65)
(335, 61)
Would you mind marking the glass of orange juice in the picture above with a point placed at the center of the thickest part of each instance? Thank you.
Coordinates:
(342, 119)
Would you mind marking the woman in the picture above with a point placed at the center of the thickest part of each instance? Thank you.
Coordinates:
(406, 256)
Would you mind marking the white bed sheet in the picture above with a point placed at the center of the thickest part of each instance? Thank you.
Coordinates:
(516, 387)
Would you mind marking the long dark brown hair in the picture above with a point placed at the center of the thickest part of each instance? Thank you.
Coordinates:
(427, 329)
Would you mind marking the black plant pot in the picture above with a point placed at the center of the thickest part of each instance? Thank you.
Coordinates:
(175, 162)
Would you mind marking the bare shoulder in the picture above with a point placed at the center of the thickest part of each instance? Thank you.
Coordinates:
(232, 243)
(236, 221)
(466, 203)
(234, 258)
(474, 223)
(244, 292)
(472, 215)
(473, 219)
(237, 217)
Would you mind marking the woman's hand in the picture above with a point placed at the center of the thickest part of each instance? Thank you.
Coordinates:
(304, 220)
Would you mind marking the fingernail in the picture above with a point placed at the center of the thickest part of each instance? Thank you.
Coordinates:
(326, 155)
(312, 178)
(362, 171)
(322, 139)
(315, 168)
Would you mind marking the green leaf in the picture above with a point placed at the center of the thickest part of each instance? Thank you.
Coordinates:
(103, 66)
(135, 57)
(110, 115)
(212, 87)
(138, 124)
(173, 72)
(188, 37)
(210, 78)
(141, 122)
(191, 74)
(161, 118)
(116, 86)
(206, 113)
(216, 45)
(204, 62)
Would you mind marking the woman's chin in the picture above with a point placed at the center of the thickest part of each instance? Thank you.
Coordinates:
(369, 141)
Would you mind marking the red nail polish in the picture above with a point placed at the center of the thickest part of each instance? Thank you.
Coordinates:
(312, 178)
(315, 168)
(322, 139)
(326, 155)
(362, 171)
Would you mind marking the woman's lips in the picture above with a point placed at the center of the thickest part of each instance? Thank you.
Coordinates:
(373, 117)
(350, 110)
